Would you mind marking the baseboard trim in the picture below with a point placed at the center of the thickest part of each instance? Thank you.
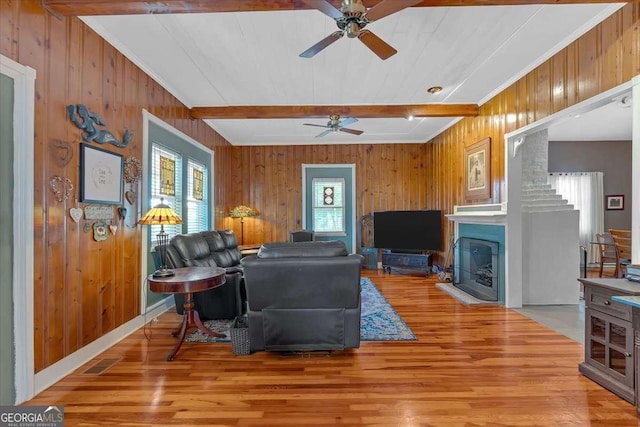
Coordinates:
(50, 375)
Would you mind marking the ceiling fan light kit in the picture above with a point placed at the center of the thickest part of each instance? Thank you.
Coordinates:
(351, 19)
(335, 125)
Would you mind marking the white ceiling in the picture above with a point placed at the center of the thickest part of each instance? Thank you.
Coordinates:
(611, 122)
(251, 58)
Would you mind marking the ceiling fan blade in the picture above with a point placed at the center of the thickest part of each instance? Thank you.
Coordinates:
(351, 131)
(376, 44)
(324, 133)
(348, 121)
(313, 50)
(387, 7)
(311, 124)
(324, 7)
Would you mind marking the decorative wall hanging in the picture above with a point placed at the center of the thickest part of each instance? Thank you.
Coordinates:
(131, 197)
(197, 184)
(99, 231)
(615, 203)
(477, 164)
(75, 214)
(61, 187)
(100, 176)
(87, 121)
(104, 213)
(113, 228)
(61, 152)
(87, 227)
(123, 212)
(328, 197)
(167, 176)
(132, 174)
(132, 170)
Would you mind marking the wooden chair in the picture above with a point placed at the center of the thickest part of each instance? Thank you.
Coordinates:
(301, 236)
(622, 239)
(608, 252)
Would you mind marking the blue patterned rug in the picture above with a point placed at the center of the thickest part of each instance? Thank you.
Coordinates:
(379, 321)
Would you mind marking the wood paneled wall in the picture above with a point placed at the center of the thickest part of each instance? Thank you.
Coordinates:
(603, 58)
(84, 288)
(388, 176)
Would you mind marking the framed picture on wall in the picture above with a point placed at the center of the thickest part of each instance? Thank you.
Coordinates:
(477, 164)
(100, 176)
(615, 203)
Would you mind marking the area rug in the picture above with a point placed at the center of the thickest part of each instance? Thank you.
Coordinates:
(378, 322)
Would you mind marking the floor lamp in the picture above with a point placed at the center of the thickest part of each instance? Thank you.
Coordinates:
(161, 214)
(242, 212)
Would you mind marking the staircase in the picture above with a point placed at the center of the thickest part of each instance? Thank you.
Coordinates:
(543, 198)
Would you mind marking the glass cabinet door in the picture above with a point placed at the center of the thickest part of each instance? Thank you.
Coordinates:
(610, 345)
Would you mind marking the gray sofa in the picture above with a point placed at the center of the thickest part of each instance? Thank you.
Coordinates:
(303, 296)
(210, 248)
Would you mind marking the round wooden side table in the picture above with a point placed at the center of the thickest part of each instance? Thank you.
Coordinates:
(188, 280)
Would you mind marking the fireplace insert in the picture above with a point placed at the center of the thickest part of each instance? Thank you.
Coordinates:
(477, 270)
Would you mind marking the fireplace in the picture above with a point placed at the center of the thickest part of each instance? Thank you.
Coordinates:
(477, 270)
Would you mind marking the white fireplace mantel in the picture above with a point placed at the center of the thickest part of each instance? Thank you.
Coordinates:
(479, 214)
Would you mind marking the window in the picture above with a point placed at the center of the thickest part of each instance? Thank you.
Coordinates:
(197, 197)
(191, 200)
(584, 190)
(166, 184)
(328, 206)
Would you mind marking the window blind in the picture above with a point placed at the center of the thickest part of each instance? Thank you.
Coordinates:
(197, 197)
(158, 187)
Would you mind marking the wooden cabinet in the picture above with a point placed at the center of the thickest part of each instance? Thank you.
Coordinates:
(609, 336)
(404, 261)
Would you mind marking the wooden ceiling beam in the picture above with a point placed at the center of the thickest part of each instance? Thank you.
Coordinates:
(137, 7)
(359, 111)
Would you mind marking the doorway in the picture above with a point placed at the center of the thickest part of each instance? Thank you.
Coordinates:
(328, 202)
(17, 101)
(514, 170)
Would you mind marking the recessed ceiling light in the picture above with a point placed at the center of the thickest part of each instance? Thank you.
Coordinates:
(434, 89)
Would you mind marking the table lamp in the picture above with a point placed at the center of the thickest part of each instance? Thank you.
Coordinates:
(242, 211)
(161, 214)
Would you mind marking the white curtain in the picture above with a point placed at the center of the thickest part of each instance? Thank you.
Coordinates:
(584, 190)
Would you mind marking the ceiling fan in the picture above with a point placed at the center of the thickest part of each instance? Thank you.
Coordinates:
(352, 17)
(335, 125)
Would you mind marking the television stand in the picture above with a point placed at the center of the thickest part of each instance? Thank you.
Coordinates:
(398, 260)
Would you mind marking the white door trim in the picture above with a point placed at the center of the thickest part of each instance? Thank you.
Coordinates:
(23, 158)
(351, 166)
(513, 185)
(146, 118)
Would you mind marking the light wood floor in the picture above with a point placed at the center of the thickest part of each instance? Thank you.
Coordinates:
(471, 366)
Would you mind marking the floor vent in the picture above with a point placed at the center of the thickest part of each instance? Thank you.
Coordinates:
(101, 366)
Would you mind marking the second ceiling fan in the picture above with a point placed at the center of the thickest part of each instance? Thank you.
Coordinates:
(351, 19)
(335, 125)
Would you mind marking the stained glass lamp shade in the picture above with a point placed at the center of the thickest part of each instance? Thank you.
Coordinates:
(161, 214)
(242, 212)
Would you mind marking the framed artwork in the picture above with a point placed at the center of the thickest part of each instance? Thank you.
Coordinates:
(615, 203)
(100, 175)
(477, 174)
(198, 178)
(167, 176)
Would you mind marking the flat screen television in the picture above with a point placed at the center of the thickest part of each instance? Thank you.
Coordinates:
(408, 231)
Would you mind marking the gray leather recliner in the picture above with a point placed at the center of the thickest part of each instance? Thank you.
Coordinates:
(303, 296)
(210, 248)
